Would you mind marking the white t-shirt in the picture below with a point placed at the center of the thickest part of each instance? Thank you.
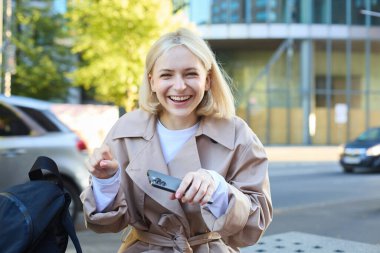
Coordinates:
(172, 140)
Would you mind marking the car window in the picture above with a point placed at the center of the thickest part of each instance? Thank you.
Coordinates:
(11, 124)
(41, 118)
(370, 135)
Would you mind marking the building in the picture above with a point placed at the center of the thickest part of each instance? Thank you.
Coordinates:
(305, 72)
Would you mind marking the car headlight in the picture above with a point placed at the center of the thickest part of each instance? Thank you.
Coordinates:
(373, 151)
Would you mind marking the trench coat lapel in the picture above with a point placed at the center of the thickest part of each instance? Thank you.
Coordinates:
(150, 157)
(186, 160)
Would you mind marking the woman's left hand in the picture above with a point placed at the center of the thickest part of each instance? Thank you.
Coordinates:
(196, 187)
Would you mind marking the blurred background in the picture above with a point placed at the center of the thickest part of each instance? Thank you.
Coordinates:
(305, 78)
(308, 66)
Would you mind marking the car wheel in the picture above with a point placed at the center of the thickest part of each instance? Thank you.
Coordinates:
(76, 204)
(348, 169)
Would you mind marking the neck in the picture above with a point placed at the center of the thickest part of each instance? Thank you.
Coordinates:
(178, 123)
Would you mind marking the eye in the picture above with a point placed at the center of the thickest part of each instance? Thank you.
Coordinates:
(192, 74)
(165, 75)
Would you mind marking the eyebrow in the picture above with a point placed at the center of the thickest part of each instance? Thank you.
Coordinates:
(165, 70)
(171, 70)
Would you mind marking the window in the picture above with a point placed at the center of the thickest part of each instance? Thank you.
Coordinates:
(338, 91)
(40, 118)
(370, 135)
(11, 124)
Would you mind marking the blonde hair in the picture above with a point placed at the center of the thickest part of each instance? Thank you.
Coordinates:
(218, 101)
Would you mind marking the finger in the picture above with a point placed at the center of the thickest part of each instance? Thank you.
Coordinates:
(92, 159)
(109, 164)
(192, 191)
(186, 182)
(89, 166)
(97, 171)
(202, 191)
(106, 153)
(207, 197)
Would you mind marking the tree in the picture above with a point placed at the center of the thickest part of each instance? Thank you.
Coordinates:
(112, 38)
(42, 63)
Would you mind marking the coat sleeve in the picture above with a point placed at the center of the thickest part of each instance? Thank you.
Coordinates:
(249, 211)
(117, 215)
(113, 219)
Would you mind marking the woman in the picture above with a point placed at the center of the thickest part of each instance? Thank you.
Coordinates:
(186, 128)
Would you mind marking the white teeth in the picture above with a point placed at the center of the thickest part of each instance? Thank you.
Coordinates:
(177, 98)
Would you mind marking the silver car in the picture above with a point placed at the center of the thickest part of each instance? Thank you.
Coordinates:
(29, 129)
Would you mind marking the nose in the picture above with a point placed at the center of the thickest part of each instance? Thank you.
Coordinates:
(179, 83)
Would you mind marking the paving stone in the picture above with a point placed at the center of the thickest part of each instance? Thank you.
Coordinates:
(296, 242)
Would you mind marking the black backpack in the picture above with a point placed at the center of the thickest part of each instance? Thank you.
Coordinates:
(34, 217)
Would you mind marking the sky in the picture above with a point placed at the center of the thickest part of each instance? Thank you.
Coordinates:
(60, 6)
(199, 10)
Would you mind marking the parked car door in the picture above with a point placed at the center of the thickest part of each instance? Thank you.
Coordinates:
(17, 136)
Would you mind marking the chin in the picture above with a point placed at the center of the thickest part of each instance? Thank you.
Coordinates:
(181, 113)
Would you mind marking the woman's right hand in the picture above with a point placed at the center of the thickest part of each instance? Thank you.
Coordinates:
(102, 163)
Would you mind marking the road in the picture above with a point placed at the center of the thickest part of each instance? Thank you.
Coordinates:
(318, 198)
(308, 197)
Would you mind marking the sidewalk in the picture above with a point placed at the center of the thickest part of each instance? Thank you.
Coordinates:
(308, 243)
(303, 153)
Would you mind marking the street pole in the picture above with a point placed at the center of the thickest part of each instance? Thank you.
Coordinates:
(1, 47)
(8, 35)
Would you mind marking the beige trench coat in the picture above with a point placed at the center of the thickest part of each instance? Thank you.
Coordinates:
(164, 225)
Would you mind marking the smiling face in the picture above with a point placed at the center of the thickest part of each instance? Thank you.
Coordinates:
(179, 80)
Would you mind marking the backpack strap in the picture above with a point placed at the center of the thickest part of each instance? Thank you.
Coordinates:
(45, 163)
(69, 227)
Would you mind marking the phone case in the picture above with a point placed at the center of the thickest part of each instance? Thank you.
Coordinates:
(164, 182)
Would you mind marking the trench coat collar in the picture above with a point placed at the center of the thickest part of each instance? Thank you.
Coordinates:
(137, 123)
(140, 123)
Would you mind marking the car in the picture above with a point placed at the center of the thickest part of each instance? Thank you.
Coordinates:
(28, 129)
(363, 152)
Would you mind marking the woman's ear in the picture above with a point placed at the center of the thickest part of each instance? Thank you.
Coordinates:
(150, 79)
(208, 81)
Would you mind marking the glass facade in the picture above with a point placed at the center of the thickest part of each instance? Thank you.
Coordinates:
(320, 89)
(275, 109)
(282, 11)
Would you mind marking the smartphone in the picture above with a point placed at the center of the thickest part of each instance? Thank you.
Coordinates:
(164, 182)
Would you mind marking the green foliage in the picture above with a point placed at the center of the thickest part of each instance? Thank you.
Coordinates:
(41, 62)
(112, 38)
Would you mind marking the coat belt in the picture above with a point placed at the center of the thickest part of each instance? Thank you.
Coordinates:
(178, 242)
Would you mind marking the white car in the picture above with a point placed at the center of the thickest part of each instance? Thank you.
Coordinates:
(28, 129)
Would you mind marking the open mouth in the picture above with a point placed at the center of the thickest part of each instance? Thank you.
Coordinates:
(179, 98)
